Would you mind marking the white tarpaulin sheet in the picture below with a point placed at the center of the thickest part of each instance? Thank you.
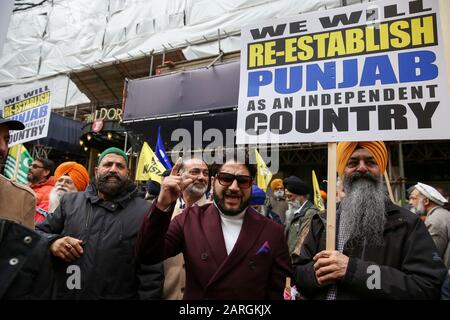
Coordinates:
(63, 35)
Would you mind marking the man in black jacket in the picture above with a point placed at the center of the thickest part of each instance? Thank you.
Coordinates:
(382, 251)
(92, 236)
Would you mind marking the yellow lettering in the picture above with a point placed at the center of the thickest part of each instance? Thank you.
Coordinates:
(403, 39)
(290, 50)
(354, 40)
(306, 51)
(255, 55)
(320, 38)
(426, 29)
(336, 45)
(269, 53)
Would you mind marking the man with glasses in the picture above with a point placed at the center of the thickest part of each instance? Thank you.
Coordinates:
(230, 250)
(42, 182)
(196, 171)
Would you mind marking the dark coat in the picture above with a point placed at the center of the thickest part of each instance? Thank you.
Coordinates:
(210, 272)
(409, 263)
(25, 264)
(108, 230)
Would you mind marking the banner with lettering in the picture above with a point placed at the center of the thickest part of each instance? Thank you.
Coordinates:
(33, 109)
(371, 71)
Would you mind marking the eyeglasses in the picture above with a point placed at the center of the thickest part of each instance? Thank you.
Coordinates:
(35, 166)
(227, 179)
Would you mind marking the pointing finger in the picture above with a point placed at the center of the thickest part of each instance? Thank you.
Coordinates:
(176, 167)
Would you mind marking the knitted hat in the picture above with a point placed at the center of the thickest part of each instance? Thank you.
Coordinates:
(113, 150)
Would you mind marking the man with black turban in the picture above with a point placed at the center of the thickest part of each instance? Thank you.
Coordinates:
(299, 213)
(382, 251)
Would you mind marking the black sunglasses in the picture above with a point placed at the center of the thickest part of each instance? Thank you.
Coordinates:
(226, 179)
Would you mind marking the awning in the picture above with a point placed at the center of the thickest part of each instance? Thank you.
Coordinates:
(185, 92)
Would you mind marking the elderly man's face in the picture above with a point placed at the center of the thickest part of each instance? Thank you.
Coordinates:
(196, 170)
(418, 202)
(361, 161)
(4, 140)
(65, 184)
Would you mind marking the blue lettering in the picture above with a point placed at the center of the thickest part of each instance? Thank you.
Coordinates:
(350, 68)
(377, 68)
(34, 114)
(326, 78)
(257, 79)
(422, 69)
(43, 111)
(295, 80)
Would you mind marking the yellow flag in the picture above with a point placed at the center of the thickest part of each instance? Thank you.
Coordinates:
(318, 201)
(149, 166)
(264, 175)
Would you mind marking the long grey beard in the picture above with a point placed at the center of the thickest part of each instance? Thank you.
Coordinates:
(54, 200)
(363, 210)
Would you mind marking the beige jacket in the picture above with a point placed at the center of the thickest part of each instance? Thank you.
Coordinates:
(17, 202)
(438, 224)
(174, 273)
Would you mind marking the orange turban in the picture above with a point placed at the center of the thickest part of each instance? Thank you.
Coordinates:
(376, 148)
(76, 171)
(323, 194)
(276, 183)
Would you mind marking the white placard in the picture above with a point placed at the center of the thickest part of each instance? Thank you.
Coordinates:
(374, 71)
(32, 108)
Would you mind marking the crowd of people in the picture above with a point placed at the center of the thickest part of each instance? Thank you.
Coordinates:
(209, 232)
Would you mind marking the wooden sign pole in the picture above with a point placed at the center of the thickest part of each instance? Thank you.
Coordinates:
(331, 197)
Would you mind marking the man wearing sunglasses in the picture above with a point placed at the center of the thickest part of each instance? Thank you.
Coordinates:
(230, 250)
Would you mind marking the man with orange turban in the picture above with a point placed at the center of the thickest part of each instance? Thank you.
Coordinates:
(277, 201)
(382, 251)
(70, 177)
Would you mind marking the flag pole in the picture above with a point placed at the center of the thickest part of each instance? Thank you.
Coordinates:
(331, 197)
(16, 169)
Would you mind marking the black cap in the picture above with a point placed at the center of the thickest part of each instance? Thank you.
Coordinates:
(12, 124)
(296, 185)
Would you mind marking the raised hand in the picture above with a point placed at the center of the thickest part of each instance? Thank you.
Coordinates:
(171, 188)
